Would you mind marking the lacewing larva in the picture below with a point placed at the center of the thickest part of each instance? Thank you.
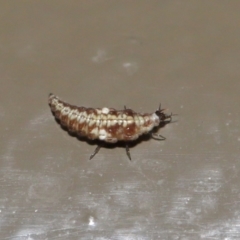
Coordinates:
(107, 124)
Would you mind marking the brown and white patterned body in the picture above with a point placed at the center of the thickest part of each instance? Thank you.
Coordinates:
(106, 124)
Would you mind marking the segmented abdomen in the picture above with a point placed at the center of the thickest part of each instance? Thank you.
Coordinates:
(106, 124)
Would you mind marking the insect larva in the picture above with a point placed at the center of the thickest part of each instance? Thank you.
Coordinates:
(107, 124)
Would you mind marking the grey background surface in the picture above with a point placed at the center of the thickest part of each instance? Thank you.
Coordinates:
(184, 54)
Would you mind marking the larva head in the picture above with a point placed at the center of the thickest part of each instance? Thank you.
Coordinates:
(162, 116)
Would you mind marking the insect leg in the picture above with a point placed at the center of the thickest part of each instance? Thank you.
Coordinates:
(95, 152)
(128, 152)
(157, 136)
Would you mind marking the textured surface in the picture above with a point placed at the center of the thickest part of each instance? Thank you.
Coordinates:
(184, 54)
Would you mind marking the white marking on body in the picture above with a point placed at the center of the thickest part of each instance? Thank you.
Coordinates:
(65, 110)
(112, 117)
(141, 120)
(59, 106)
(146, 118)
(70, 115)
(119, 122)
(105, 110)
(91, 122)
(83, 117)
(102, 134)
(104, 123)
(109, 123)
(113, 122)
(98, 117)
(125, 123)
(136, 120)
(95, 131)
(79, 116)
(155, 119)
(73, 114)
(55, 101)
(91, 117)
